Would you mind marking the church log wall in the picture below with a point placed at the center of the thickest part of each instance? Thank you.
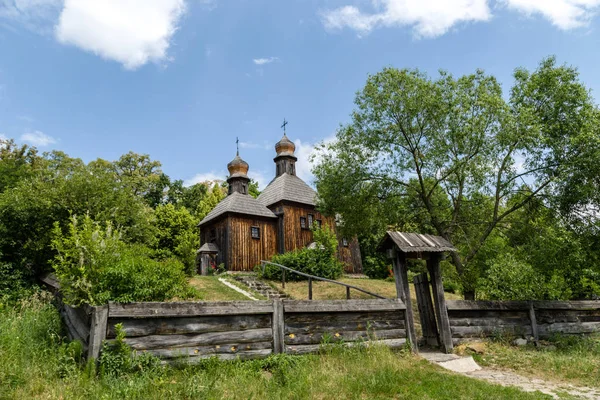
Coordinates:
(295, 236)
(246, 252)
(350, 255)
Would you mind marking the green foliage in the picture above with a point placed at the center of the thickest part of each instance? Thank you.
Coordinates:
(376, 267)
(319, 260)
(16, 163)
(95, 266)
(65, 187)
(13, 284)
(176, 235)
(454, 157)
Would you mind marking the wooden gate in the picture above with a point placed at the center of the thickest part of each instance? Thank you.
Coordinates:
(426, 313)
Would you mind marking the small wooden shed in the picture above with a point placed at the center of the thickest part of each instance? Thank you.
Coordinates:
(400, 246)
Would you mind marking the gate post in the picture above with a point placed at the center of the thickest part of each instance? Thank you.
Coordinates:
(403, 291)
(433, 265)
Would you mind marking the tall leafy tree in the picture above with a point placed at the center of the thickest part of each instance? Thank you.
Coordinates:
(456, 153)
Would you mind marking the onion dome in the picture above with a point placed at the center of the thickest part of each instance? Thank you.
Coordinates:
(237, 167)
(285, 147)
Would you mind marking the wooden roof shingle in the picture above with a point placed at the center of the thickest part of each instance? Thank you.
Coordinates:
(240, 204)
(418, 242)
(290, 188)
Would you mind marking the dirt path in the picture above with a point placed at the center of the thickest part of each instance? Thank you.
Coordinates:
(467, 366)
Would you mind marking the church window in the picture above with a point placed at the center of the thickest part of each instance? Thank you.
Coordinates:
(318, 222)
(255, 230)
(310, 221)
(303, 222)
(344, 242)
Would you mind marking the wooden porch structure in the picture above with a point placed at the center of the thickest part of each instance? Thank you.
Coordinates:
(400, 246)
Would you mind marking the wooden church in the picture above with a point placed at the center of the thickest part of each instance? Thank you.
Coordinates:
(241, 230)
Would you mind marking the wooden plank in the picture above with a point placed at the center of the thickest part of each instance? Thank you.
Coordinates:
(314, 348)
(546, 330)
(227, 348)
(304, 319)
(278, 326)
(485, 331)
(441, 308)
(568, 305)
(547, 316)
(242, 355)
(202, 339)
(486, 305)
(402, 273)
(485, 314)
(345, 336)
(74, 322)
(426, 311)
(72, 332)
(534, 328)
(177, 309)
(371, 326)
(304, 306)
(492, 321)
(169, 326)
(98, 328)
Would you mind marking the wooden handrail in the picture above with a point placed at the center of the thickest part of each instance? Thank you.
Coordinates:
(313, 277)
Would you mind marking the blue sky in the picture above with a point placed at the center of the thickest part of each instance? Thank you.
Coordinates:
(181, 79)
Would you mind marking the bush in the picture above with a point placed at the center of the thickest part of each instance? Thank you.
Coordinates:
(95, 266)
(510, 279)
(377, 267)
(13, 283)
(319, 260)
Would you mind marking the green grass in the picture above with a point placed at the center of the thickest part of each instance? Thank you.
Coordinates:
(210, 289)
(573, 360)
(36, 364)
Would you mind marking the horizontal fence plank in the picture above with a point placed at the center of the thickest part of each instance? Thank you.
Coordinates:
(567, 305)
(484, 331)
(180, 309)
(228, 348)
(313, 348)
(488, 321)
(486, 305)
(546, 330)
(318, 306)
(485, 314)
(134, 327)
(347, 336)
(202, 339)
(365, 325)
(242, 355)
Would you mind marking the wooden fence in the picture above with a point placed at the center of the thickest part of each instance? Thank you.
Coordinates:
(529, 319)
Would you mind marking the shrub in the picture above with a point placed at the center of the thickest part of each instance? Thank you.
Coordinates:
(319, 260)
(377, 267)
(510, 279)
(95, 266)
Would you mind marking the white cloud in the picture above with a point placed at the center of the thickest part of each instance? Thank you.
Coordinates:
(132, 32)
(212, 176)
(3, 137)
(431, 18)
(262, 61)
(36, 15)
(565, 14)
(428, 18)
(38, 138)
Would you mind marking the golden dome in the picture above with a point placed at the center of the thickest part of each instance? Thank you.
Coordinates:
(285, 147)
(237, 167)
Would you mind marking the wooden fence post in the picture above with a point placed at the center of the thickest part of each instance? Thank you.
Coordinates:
(433, 265)
(534, 327)
(403, 289)
(98, 326)
(310, 288)
(278, 327)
